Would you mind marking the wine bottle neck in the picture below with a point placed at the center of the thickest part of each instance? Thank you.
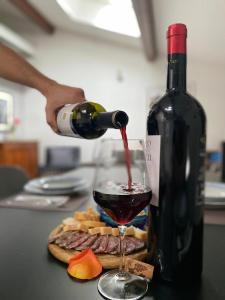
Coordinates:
(176, 47)
(176, 75)
(116, 119)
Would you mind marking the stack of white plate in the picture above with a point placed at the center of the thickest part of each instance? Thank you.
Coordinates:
(57, 185)
(215, 195)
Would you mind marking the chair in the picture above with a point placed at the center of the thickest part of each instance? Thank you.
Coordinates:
(62, 158)
(12, 180)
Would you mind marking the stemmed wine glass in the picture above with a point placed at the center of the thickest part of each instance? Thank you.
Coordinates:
(121, 189)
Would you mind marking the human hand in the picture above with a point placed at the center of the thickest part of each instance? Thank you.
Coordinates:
(57, 95)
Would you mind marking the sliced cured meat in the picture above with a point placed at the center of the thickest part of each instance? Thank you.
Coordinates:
(130, 246)
(108, 244)
(96, 243)
(63, 237)
(112, 244)
(83, 237)
(66, 238)
(90, 241)
(55, 234)
(139, 244)
(75, 236)
(117, 249)
(53, 237)
(103, 244)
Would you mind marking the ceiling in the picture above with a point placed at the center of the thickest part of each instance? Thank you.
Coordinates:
(112, 15)
(204, 18)
(54, 13)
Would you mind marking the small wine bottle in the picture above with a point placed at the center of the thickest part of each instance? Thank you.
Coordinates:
(88, 120)
(176, 139)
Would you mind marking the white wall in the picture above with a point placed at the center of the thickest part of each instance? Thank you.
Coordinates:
(94, 66)
(210, 83)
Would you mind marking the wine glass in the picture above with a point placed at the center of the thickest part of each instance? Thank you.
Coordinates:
(121, 189)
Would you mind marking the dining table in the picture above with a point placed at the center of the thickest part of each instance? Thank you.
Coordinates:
(28, 271)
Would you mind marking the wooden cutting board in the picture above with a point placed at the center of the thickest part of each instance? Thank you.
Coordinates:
(107, 261)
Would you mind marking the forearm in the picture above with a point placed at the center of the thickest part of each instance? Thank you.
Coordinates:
(14, 68)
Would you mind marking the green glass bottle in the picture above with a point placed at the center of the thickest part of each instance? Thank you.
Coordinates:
(88, 120)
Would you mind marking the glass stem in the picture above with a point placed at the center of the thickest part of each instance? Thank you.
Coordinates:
(122, 275)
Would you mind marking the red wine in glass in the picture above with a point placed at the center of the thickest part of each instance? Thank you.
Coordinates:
(121, 204)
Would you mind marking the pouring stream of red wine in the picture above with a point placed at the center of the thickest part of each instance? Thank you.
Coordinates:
(127, 156)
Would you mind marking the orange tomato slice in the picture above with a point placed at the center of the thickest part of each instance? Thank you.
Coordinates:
(84, 265)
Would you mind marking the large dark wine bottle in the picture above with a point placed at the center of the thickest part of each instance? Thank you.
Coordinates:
(88, 120)
(176, 137)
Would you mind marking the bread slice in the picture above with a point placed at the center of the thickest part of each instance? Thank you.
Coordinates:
(129, 231)
(140, 234)
(91, 224)
(115, 231)
(93, 215)
(79, 226)
(94, 231)
(69, 221)
(100, 230)
(105, 230)
(85, 216)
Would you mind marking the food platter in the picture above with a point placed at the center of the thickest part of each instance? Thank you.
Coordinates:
(74, 231)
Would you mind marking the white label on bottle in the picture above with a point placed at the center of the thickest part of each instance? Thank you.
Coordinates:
(64, 121)
(153, 165)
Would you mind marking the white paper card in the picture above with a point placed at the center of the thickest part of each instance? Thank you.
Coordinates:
(153, 165)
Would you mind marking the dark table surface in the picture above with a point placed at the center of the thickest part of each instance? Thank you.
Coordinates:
(28, 271)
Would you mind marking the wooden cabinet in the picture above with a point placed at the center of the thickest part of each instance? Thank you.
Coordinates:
(22, 154)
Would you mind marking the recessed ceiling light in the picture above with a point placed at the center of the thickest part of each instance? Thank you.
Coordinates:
(112, 15)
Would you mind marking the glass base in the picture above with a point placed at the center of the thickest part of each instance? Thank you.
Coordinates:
(115, 287)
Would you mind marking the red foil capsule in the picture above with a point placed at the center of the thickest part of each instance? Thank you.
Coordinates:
(176, 38)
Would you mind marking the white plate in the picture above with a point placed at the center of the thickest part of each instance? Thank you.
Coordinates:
(215, 195)
(53, 183)
(38, 200)
(35, 190)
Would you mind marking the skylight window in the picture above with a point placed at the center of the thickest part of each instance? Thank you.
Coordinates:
(112, 15)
